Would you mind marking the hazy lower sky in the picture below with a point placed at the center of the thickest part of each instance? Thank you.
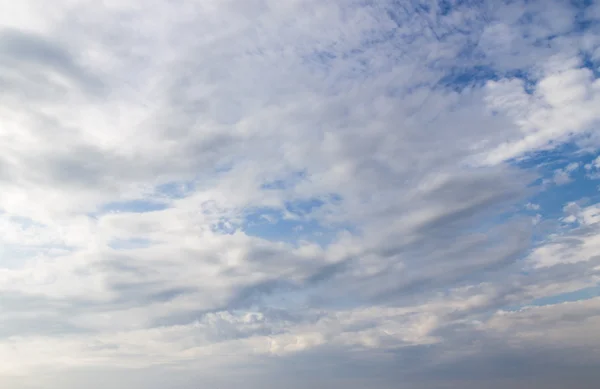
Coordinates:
(303, 194)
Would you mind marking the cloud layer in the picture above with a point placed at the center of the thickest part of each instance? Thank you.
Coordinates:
(315, 193)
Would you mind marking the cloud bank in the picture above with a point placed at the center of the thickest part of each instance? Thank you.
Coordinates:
(304, 193)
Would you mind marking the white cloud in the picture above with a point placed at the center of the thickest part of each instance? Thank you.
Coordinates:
(107, 106)
(561, 108)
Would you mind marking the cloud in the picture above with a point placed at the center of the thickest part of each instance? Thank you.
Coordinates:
(397, 150)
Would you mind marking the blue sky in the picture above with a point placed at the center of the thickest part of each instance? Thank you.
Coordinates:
(302, 193)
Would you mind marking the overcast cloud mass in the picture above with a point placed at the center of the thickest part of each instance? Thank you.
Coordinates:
(300, 194)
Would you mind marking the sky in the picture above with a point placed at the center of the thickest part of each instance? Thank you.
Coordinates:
(300, 193)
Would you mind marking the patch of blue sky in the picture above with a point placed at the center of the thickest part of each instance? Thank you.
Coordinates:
(158, 201)
(25, 222)
(294, 223)
(301, 208)
(134, 206)
(562, 153)
(589, 62)
(272, 225)
(181, 188)
(284, 183)
(129, 244)
(576, 186)
(582, 19)
(460, 78)
(306, 207)
(578, 295)
(478, 70)
(445, 7)
(175, 190)
(130, 206)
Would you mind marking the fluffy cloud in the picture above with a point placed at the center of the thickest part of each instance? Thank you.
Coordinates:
(241, 192)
